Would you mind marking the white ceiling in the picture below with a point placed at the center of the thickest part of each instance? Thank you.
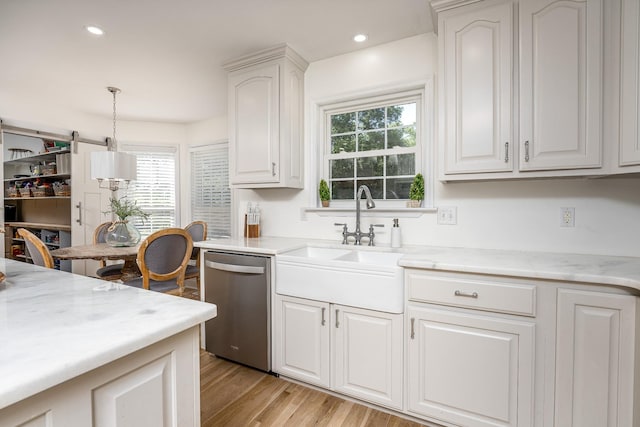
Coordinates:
(166, 55)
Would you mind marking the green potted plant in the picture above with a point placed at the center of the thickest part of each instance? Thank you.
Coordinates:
(416, 192)
(325, 194)
(122, 232)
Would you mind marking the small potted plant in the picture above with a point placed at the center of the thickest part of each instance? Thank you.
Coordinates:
(122, 232)
(325, 194)
(416, 192)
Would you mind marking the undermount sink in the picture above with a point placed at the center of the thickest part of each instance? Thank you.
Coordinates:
(361, 277)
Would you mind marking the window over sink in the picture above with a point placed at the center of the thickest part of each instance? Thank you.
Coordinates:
(378, 141)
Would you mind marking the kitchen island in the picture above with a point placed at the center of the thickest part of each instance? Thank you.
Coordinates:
(80, 351)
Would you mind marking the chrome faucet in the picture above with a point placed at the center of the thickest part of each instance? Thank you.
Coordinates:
(358, 234)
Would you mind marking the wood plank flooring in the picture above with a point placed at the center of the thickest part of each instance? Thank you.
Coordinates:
(234, 395)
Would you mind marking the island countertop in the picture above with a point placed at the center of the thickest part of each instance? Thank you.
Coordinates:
(55, 325)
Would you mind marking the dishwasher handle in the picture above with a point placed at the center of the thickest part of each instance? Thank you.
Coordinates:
(234, 268)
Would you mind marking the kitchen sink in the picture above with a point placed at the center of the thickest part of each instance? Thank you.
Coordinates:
(362, 277)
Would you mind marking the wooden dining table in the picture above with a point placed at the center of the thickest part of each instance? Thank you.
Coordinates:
(103, 251)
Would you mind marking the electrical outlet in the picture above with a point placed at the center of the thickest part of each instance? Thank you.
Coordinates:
(447, 215)
(567, 217)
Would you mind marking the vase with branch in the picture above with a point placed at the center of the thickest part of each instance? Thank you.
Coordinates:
(122, 232)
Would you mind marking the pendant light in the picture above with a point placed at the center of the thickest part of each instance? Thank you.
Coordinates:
(113, 169)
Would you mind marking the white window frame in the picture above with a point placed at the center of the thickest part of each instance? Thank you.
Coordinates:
(425, 131)
(133, 148)
(205, 147)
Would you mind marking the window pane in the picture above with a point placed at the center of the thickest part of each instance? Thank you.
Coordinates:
(343, 123)
(371, 119)
(343, 143)
(210, 193)
(375, 185)
(371, 141)
(154, 190)
(342, 190)
(401, 115)
(398, 188)
(401, 164)
(402, 137)
(370, 166)
(342, 168)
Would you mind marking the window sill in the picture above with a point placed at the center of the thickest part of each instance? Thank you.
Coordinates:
(380, 212)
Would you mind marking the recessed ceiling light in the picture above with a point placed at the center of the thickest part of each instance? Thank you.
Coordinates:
(359, 38)
(94, 30)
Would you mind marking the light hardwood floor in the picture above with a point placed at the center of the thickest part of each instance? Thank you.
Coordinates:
(232, 395)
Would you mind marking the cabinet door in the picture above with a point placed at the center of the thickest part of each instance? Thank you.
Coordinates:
(302, 340)
(476, 57)
(560, 84)
(595, 359)
(254, 125)
(630, 92)
(469, 369)
(368, 355)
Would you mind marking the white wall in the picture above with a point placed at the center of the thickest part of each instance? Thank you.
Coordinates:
(518, 215)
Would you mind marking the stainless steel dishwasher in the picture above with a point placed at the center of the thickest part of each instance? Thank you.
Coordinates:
(239, 284)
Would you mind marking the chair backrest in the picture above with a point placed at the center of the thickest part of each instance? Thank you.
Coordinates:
(198, 231)
(100, 233)
(164, 256)
(38, 251)
(100, 236)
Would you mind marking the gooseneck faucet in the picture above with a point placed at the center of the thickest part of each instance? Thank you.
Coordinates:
(358, 234)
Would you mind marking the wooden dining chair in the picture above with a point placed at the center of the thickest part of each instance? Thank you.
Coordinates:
(38, 251)
(198, 232)
(162, 259)
(106, 271)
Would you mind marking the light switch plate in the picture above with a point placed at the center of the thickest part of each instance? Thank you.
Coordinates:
(447, 215)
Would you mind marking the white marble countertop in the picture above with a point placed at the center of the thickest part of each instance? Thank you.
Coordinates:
(596, 269)
(55, 326)
(259, 245)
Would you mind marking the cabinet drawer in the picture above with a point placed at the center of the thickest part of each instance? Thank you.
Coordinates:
(471, 293)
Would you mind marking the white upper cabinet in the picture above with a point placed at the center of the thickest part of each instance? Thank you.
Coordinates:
(560, 84)
(265, 97)
(538, 115)
(630, 92)
(476, 52)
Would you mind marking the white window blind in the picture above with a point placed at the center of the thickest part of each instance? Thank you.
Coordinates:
(154, 190)
(210, 193)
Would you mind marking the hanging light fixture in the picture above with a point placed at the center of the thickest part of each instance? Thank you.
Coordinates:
(111, 168)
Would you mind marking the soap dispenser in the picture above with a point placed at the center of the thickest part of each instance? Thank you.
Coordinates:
(395, 234)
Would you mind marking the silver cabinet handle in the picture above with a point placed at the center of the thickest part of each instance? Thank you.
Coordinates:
(413, 329)
(323, 321)
(526, 151)
(466, 294)
(506, 152)
(273, 168)
(79, 206)
(337, 322)
(234, 268)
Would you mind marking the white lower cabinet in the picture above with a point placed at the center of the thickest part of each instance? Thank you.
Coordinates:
(595, 359)
(368, 355)
(363, 349)
(302, 335)
(468, 369)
